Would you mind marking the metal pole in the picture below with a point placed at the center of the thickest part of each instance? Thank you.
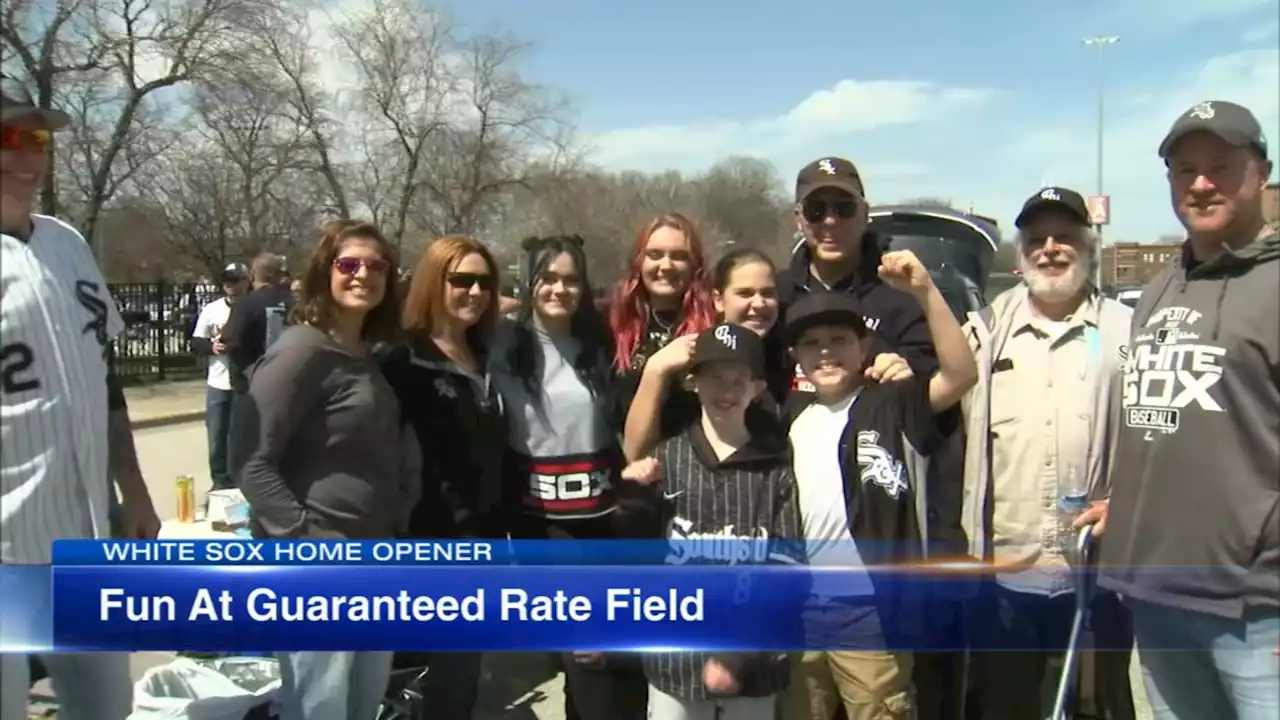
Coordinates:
(1099, 42)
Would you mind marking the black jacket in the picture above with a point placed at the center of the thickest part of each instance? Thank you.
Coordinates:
(462, 431)
(255, 321)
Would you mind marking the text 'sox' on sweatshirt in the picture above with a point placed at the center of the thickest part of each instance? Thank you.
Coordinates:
(1195, 483)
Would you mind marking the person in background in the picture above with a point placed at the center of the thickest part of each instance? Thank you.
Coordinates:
(856, 453)
(206, 341)
(253, 325)
(1057, 338)
(1195, 481)
(441, 378)
(663, 299)
(725, 482)
(332, 459)
(551, 366)
(64, 418)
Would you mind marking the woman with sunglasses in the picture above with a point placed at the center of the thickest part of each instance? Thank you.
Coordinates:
(552, 366)
(444, 388)
(663, 301)
(331, 459)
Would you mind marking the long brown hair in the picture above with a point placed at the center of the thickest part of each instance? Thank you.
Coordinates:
(427, 288)
(316, 306)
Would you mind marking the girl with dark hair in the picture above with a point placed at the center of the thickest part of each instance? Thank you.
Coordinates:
(552, 367)
(331, 458)
(441, 378)
(743, 292)
(663, 302)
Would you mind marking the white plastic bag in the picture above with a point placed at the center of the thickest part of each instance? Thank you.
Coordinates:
(222, 689)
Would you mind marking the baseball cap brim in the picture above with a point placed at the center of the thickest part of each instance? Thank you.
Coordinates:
(838, 317)
(1041, 206)
(51, 119)
(844, 184)
(1232, 137)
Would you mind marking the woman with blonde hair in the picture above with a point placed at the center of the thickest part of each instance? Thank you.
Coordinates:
(330, 459)
(440, 376)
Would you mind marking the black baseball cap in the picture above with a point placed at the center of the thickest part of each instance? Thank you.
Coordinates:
(829, 172)
(824, 308)
(1057, 198)
(1233, 123)
(729, 343)
(17, 104)
(235, 271)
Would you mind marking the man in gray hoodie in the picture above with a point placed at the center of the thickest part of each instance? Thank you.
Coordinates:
(1193, 541)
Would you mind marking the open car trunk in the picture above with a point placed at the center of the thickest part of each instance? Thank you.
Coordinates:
(958, 249)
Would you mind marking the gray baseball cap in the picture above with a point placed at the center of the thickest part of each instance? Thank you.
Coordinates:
(17, 104)
(1233, 123)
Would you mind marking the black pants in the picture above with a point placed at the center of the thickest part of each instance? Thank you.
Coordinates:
(242, 435)
(614, 688)
(452, 686)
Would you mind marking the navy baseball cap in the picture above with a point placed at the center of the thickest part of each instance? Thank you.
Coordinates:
(1056, 198)
(829, 172)
(234, 272)
(824, 308)
(729, 343)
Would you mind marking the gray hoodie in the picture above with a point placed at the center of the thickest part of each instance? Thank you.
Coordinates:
(1195, 481)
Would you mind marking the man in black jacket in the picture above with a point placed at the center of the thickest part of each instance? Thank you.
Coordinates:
(255, 322)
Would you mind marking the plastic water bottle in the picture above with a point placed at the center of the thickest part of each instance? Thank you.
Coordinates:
(1073, 500)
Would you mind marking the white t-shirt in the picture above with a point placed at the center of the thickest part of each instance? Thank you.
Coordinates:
(57, 319)
(213, 317)
(824, 511)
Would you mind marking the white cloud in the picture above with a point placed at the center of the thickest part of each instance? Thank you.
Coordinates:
(1133, 174)
(821, 123)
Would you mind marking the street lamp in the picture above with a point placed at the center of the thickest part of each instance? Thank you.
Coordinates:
(1100, 42)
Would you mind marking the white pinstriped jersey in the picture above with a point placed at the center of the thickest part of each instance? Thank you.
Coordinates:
(56, 320)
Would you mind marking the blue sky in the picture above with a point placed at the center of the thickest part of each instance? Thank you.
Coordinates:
(977, 101)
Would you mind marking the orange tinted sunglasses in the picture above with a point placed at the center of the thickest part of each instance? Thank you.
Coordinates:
(13, 137)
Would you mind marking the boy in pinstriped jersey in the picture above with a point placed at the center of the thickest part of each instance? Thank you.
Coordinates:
(716, 483)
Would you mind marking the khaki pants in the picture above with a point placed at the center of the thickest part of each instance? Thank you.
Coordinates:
(869, 685)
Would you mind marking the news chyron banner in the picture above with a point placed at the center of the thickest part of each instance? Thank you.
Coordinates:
(721, 594)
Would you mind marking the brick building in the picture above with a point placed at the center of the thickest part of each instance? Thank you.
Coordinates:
(1271, 203)
(1125, 264)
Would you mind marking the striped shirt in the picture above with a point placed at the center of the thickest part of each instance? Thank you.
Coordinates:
(747, 496)
(57, 320)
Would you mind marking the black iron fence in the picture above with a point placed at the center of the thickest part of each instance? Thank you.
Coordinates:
(159, 318)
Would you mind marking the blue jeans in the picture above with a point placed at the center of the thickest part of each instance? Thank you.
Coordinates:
(217, 421)
(1198, 665)
(89, 686)
(332, 685)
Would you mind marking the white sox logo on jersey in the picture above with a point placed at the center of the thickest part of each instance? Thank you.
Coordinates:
(88, 294)
(1170, 369)
(878, 466)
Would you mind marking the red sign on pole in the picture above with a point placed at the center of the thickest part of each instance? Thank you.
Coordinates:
(1099, 209)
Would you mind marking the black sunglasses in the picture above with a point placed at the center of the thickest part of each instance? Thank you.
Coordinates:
(466, 281)
(819, 210)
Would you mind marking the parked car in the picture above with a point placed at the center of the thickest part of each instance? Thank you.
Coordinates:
(1128, 295)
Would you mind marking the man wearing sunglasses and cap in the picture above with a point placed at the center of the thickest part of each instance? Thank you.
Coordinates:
(65, 424)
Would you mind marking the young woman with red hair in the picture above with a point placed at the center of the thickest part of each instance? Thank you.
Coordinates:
(663, 300)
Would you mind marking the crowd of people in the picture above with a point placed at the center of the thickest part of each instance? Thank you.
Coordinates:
(837, 400)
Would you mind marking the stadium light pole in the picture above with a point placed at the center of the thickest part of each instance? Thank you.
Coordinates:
(1098, 43)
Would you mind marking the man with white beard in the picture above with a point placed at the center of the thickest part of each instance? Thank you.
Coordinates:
(1036, 429)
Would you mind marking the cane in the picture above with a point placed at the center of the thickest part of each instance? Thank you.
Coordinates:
(1066, 684)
